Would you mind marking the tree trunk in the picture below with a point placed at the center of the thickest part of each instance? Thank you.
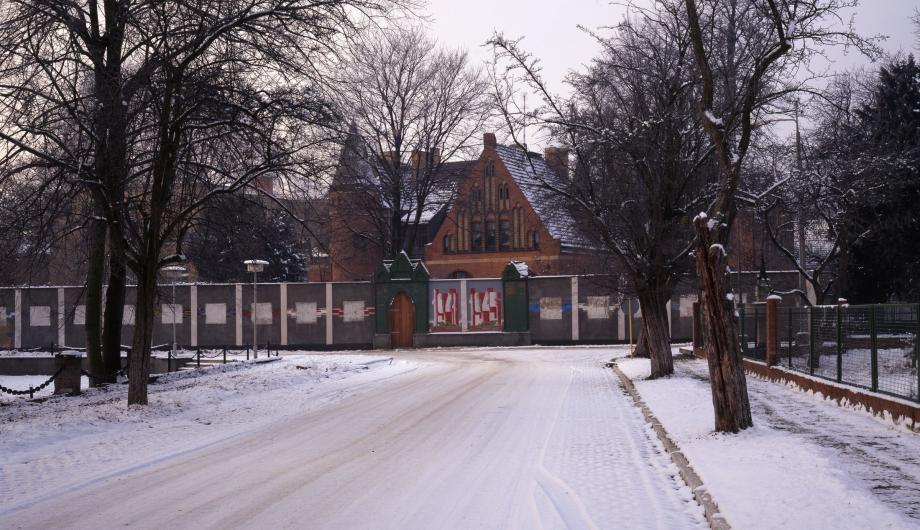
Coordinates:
(139, 357)
(726, 371)
(656, 332)
(641, 344)
(114, 308)
(94, 274)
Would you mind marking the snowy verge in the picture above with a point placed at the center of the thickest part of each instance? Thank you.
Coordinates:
(64, 442)
(769, 476)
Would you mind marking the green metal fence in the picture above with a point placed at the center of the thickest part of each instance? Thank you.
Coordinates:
(867, 346)
(752, 327)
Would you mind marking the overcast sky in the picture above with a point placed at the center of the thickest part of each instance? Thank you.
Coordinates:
(550, 28)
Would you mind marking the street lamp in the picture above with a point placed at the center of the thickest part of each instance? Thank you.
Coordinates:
(255, 266)
(175, 273)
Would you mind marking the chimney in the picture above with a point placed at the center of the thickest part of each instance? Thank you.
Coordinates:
(422, 160)
(557, 158)
(266, 184)
(488, 140)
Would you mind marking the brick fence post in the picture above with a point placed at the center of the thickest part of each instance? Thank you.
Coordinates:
(772, 330)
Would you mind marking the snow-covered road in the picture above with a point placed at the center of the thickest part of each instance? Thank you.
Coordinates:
(515, 438)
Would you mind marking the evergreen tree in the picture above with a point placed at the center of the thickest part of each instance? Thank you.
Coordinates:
(238, 228)
(885, 255)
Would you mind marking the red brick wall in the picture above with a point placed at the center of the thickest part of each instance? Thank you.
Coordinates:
(349, 214)
(547, 259)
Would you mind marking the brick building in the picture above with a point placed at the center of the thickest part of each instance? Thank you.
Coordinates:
(504, 211)
(489, 211)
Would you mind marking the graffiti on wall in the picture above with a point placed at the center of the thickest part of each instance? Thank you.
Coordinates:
(445, 306)
(485, 306)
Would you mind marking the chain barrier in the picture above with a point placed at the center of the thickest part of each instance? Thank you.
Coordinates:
(32, 389)
(123, 372)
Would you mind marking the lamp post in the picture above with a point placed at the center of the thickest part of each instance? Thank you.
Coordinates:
(763, 282)
(255, 266)
(175, 273)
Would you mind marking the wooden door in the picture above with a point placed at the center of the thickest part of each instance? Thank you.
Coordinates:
(402, 321)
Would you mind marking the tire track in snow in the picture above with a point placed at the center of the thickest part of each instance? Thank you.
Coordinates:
(568, 505)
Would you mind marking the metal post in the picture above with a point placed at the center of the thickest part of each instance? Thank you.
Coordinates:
(225, 355)
(741, 312)
(198, 358)
(839, 343)
(756, 329)
(873, 345)
(917, 347)
(247, 352)
(811, 340)
(174, 316)
(789, 335)
(255, 325)
(630, 309)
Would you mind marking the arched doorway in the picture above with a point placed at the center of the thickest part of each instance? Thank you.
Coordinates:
(402, 321)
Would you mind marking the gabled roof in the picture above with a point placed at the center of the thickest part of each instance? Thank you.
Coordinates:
(358, 170)
(536, 180)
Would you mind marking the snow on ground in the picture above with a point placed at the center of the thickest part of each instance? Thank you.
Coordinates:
(448, 438)
(23, 382)
(806, 463)
(64, 442)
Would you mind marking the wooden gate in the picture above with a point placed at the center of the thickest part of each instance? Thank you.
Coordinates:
(402, 321)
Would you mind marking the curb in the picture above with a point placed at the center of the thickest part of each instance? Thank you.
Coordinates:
(714, 517)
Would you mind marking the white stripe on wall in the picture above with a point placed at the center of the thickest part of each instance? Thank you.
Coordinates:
(574, 307)
(328, 313)
(193, 315)
(17, 322)
(284, 314)
(239, 314)
(62, 318)
(464, 296)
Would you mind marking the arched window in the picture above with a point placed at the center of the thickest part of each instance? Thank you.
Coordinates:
(490, 168)
(504, 234)
(476, 235)
(535, 238)
(491, 239)
(446, 243)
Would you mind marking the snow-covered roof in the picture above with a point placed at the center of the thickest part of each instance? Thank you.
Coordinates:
(536, 180)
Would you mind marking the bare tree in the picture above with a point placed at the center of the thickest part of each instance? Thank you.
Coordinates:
(747, 53)
(414, 107)
(643, 164)
(170, 104)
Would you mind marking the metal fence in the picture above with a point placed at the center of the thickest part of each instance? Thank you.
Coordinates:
(868, 346)
(752, 326)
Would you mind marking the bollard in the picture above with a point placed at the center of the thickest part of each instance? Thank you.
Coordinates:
(247, 352)
(225, 355)
(198, 359)
(68, 381)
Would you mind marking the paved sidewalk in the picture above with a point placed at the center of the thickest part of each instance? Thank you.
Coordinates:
(806, 463)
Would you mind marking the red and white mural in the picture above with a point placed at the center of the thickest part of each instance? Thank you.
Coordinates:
(446, 309)
(485, 306)
(483, 311)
